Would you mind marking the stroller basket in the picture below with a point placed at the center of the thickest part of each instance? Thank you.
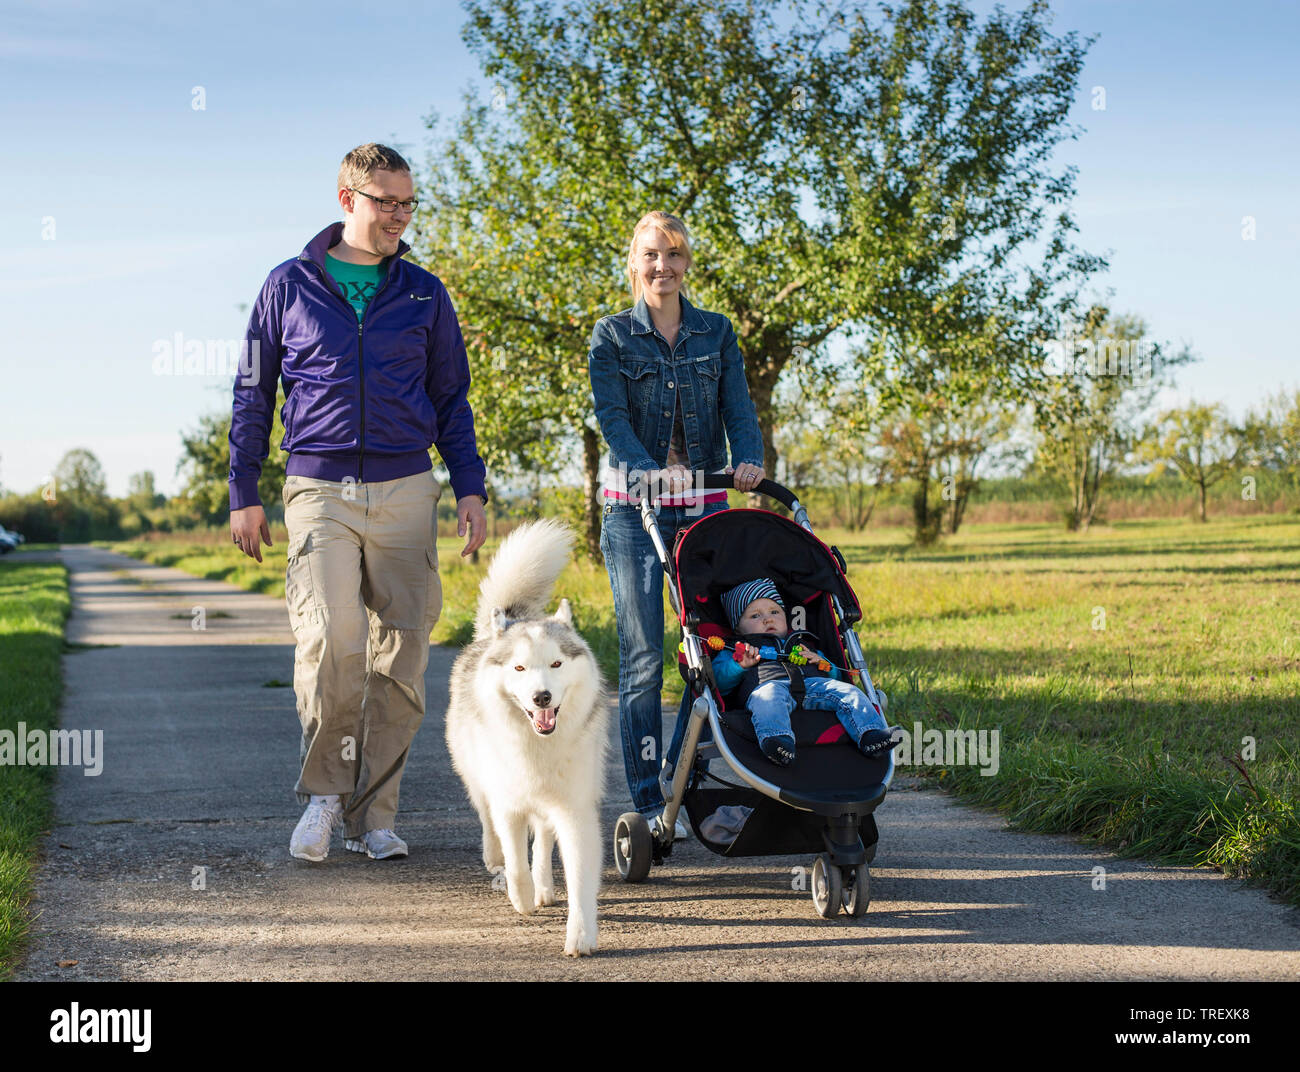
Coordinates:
(771, 829)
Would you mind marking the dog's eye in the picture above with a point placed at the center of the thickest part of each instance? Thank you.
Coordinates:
(518, 667)
(555, 664)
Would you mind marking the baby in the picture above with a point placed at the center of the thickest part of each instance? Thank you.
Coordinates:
(757, 614)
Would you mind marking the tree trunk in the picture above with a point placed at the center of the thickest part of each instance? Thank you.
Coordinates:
(866, 509)
(591, 491)
(958, 511)
(1202, 484)
(922, 516)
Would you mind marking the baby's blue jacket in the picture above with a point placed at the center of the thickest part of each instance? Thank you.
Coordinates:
(728, 673)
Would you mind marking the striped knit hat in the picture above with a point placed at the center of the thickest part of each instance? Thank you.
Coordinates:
(735, 600)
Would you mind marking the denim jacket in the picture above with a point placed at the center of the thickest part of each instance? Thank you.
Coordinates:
(636, 381)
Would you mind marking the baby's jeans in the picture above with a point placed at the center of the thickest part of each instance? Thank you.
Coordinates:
(771, 703)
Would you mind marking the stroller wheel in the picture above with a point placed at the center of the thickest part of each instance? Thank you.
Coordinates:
(827, 887)
(633, 846)
(857, 890)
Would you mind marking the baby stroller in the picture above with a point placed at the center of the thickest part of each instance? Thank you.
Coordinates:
(824, 802)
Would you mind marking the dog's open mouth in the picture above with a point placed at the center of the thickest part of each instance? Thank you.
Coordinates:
(544, 719)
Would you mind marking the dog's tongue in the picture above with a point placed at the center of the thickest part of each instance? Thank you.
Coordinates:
(544, 719)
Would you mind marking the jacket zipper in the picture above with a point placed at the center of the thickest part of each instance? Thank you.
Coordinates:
(361, 363)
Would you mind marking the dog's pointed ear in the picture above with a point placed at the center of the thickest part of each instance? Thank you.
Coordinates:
(499, 621)
(565, 613)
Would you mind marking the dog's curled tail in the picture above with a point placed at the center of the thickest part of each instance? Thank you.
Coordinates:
(523, 573)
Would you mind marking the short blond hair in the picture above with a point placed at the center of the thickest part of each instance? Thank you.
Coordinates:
(360, 165)
(667, 225)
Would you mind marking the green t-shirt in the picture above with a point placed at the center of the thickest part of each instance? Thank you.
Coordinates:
(357, 281)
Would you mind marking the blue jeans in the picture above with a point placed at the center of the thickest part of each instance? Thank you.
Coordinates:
(636, 578)
(771, 703)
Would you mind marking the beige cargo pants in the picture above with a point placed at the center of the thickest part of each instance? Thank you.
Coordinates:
(363, 593)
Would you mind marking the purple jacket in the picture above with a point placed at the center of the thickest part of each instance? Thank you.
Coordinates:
(362, 399)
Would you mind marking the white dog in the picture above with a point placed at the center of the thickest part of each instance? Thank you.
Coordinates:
(528, 731)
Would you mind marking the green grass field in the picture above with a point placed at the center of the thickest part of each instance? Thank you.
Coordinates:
(33, 607)
(1144, 677)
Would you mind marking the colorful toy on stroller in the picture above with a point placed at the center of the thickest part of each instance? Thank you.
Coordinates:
(824, 801)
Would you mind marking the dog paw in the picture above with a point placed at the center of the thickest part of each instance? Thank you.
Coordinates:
(579, 943)
(522, 900)
(544, 896)
(575, 947)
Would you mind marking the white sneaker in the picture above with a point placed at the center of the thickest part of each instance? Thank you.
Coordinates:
(311, 837)
(377, 844)
(681, 832)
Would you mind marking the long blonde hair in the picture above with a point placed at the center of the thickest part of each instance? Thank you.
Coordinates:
(671, 228)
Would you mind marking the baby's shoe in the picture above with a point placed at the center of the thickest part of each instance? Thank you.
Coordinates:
(779, 749)
(876, 743)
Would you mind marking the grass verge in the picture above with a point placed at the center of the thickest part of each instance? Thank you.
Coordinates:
(34, 605)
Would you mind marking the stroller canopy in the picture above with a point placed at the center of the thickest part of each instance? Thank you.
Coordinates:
(731, 547)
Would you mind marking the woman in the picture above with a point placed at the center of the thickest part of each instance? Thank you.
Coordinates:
(668, 381)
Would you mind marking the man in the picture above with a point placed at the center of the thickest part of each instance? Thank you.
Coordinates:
(374, 372)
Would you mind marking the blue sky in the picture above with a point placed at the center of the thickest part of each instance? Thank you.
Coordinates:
(166, 219)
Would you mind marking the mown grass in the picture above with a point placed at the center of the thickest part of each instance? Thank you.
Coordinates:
(1145, 679)
(1130, 670)
(33, 608)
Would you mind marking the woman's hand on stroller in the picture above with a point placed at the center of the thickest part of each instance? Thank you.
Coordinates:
(671, 481)
(746, 476)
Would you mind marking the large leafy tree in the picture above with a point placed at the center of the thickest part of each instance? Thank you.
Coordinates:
(842, 173)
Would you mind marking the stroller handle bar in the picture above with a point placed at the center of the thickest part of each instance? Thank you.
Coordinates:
(770, 488)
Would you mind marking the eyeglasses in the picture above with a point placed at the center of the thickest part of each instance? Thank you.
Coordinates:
(387, 204)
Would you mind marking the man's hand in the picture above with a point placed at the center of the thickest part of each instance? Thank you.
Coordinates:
(471, 518)
(246, 526)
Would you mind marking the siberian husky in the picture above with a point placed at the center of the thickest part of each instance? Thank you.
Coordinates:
(528, 729)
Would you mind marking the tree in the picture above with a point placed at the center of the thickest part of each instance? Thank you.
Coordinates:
(1103, 378)
(1272, 435)
(141, 494)
(80, 504)
(940, 440)
(977, 435)
(80, 477)
(839, 176)
(1197, 440)
(914, 443)
(832, 446)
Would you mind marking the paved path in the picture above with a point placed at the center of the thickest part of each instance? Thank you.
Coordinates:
(201, 750)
